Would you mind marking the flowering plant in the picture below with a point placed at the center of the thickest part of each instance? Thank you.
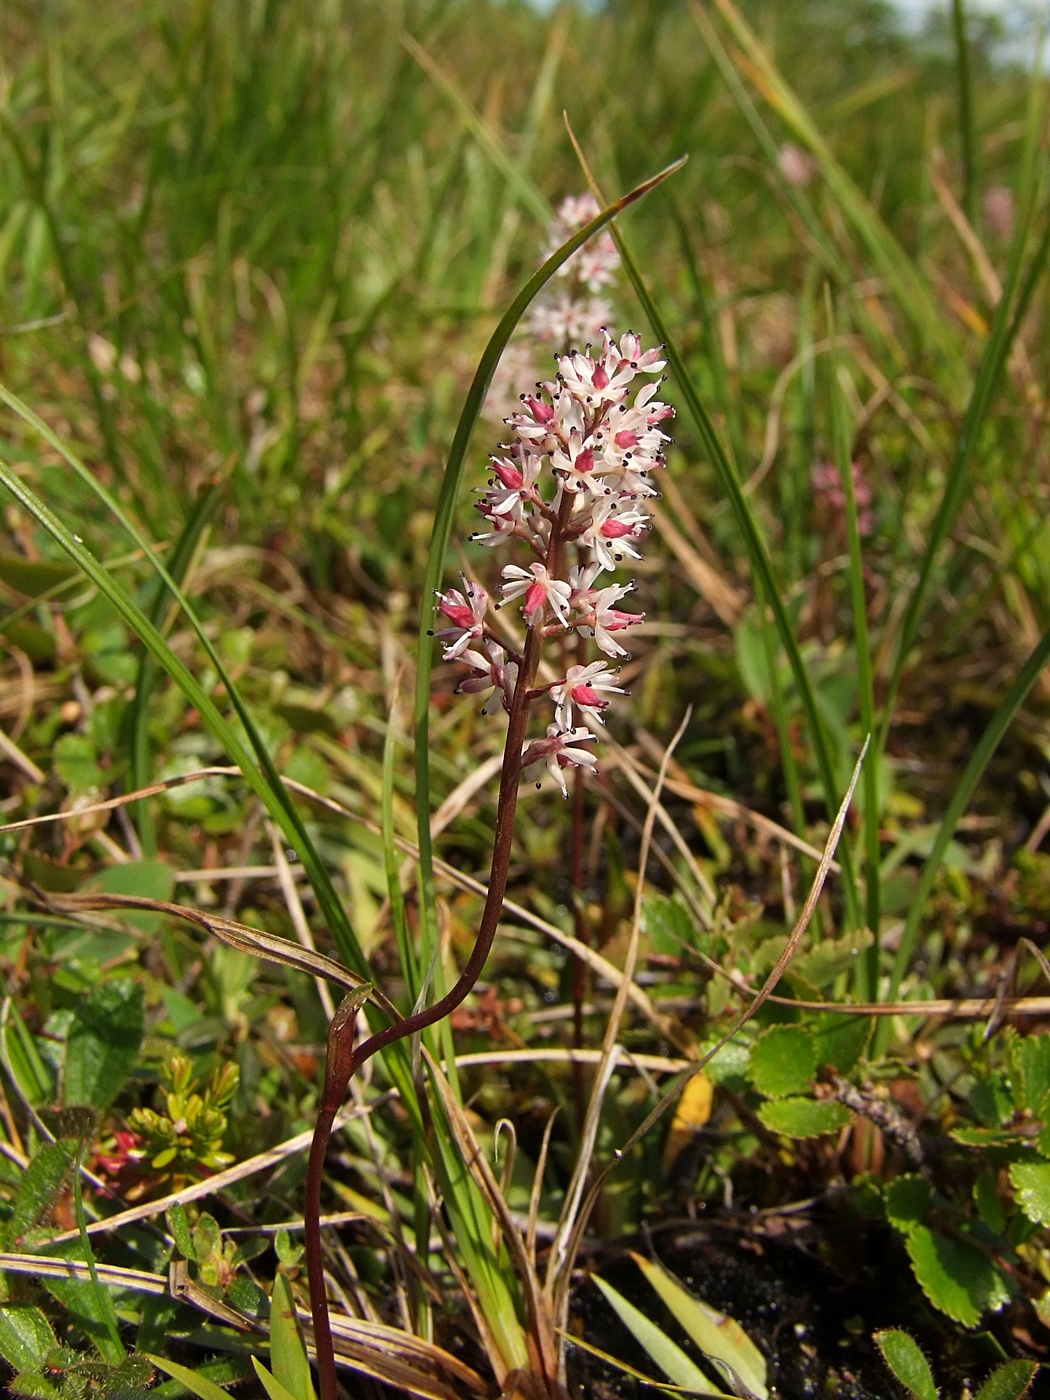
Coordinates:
(569, 487)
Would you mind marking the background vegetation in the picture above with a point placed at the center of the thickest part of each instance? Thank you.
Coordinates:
(251, 255)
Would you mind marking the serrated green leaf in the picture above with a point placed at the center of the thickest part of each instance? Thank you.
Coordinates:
(729, 1066)
(291, 1368)
(803, 1118)
(842, 1041)
(1009, 1381)
(669, 924)
(103, 1043)
(198, 1385)
(41, 1182)
(992, 1101)
(989, 1137)
(666, 1354)
(1031, 1183)
(956, 1277)
(717, 1335)
(831, 958)
(179, 1225)
(907, 1199)
(902, 1355)
(26, 1337)
(1030, 1073)
(783, 1061)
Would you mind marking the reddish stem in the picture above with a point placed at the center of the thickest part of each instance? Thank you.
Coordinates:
(343, 1061)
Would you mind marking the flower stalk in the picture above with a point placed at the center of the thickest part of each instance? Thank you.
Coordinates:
(570, 488)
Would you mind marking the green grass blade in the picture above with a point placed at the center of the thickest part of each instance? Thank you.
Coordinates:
(398, 917)
(841, 436)
(966, 128)
(1007, 322)
(717, 1335)
(526, 192)
(889, 258)
(256, 764)
(761, 565)
(186, 546)
(982, 754)
(445, 511)
(800, 204)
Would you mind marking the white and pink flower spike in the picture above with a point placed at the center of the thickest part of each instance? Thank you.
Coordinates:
(570, 485)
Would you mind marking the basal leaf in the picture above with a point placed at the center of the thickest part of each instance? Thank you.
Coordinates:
(783, 1061)
(1009, 1381)
(273, 1387)
(42, 1181)
(103, 1042)
(33, 576)
(200, 1386)
(25, 1336)
(718, 1336)
(902, 1355)
(77, 764)
(665, 1353)
(34, 1384)
(150, 878)
(803, 1118)
(291, 1369)
(1031, 1183)
(956, 1277)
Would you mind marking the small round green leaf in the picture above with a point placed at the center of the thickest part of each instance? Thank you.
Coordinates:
(783, 1061)
(907, 1200)
(803, 1118)
(902, 1355)
(1009, 1381)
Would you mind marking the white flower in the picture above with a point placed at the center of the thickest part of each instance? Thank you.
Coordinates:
(605, 617)
(491, 670)
(561, 750)
(581, 687)
(539, 587)
(611, 529)
(466, 612)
